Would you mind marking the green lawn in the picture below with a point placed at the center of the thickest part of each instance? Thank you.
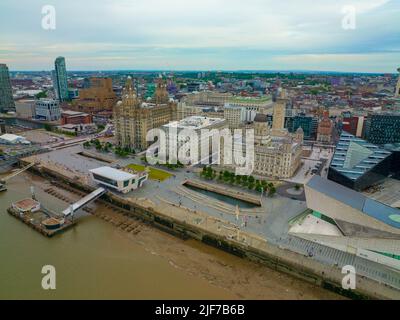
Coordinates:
(155, 174)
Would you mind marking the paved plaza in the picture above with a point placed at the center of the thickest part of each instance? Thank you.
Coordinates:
(268, 223)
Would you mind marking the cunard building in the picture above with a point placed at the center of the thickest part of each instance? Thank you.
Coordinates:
(133, 117)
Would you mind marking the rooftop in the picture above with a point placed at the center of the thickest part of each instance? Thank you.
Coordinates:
(74, 113)
(368, 206)
(355, 156)
(113, 174)
(26, 204)
(10, 137)
(250, 100)
(195, 122)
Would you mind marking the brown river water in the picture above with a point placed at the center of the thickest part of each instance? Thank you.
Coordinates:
(98, 260)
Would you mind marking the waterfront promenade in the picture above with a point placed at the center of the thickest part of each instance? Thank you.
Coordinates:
(264, 229)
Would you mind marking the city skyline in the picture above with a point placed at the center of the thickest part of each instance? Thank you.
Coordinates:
(221, 35)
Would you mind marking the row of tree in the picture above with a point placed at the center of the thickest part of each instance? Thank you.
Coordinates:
(104, 147)
(231, 178)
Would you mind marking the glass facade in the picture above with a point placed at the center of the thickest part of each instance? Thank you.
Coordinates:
(383, 128)
(106, 180)
(6, 96)
(309, 125)
(358, 164)
(60, 79)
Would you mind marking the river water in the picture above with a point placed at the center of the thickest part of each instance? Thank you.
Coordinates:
(96, 260)
(92, 260)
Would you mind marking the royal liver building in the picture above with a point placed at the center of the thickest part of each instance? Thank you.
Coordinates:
(133, 117)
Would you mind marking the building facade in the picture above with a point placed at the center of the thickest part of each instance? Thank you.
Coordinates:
(325, 129)
(383, 128)
(75, 117)
(121, 181)
(47, 109)
(6, 95)
(309, 125)
(279, 114)
(358, 164)
(200, 150)
(277, 153)
(60, 79)
(276, 156)
(97, 98)
(235, 115)
(25, 108)
(235, 109)
(133, 118)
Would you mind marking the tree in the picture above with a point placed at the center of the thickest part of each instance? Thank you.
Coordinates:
(106, 147)
(41, 95)
(47, 127)
(226, 175)
(272, 191)
(238, 179)
(264, 183)
(86, 145)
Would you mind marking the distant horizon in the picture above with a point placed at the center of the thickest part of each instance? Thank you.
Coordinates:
(266, 71)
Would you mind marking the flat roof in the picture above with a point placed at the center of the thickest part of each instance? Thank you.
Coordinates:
(10, 137)
(74, 113)
(26, 204)
(195, 122)
(356, 200)
(113, 174)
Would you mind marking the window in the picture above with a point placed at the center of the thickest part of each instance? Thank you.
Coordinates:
(126, 183)
(105, 180)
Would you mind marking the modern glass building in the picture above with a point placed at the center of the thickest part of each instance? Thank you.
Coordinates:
(6, 96)
(60, 79)
(358, 164)
(383, 128)
(309, 125)
(394, 148)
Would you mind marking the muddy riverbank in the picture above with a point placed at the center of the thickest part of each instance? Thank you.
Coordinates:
(129, 259)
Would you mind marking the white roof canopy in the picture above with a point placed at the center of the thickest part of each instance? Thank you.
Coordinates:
(113, 174)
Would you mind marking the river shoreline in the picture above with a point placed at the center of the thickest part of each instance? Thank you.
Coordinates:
(239, 278)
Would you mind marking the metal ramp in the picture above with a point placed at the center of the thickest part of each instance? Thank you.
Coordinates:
(5, 179)
(84, 201)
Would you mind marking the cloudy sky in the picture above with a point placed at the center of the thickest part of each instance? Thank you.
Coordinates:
(203, 35)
